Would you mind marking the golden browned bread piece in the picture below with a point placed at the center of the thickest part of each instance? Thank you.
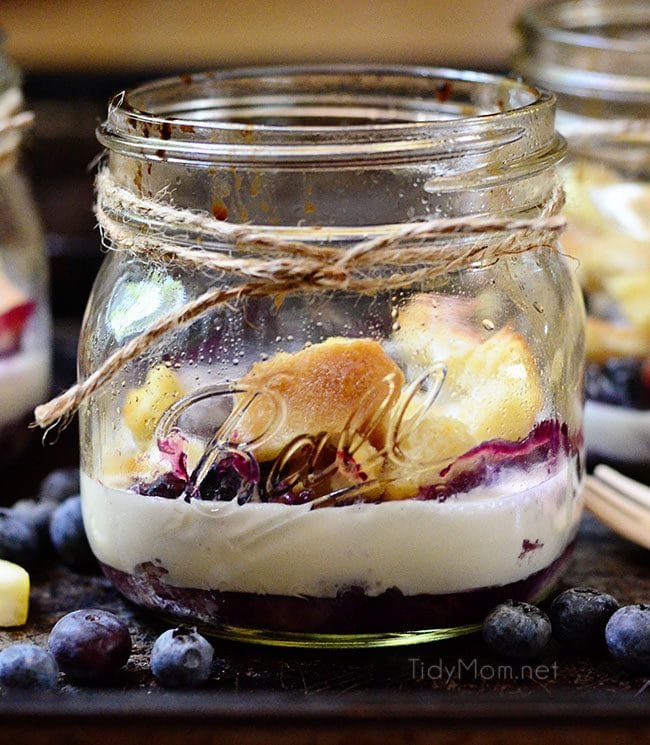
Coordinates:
(425, 446)
(605, 339)
(434, 329)
(498, 388)
(321, 388)
(144, 406)
(605, 247)
(493, 392)
(632, 293)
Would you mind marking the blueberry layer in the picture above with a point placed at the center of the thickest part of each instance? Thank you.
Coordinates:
(350, 612)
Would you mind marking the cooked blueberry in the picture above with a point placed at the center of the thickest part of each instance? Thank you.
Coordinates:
(300, 497)
(618, 382)
(90, 645)
(19, 541)
(222, 483)
(579, 616)
(168, 486)
(515, 629)
(68, 535)
(28, 666)
(233, 476)
(35, 513)
(181, 658)
(628, 637)
(59, 485)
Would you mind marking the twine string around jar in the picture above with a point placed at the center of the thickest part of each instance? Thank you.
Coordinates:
(267, 265)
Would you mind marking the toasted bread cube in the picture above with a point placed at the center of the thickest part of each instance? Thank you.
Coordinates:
(434, 441)
(605, 339)
(322, 388)
(145, 406)
(499, 388)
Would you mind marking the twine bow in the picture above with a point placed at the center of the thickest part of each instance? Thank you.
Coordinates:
(266, 265)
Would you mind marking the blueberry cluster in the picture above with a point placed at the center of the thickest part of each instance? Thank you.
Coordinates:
(582, 619)
(33, 527)
(618, 381)
(91, 646)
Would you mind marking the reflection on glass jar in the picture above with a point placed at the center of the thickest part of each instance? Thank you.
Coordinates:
(333, 467)
(24, 314)
(596, 57)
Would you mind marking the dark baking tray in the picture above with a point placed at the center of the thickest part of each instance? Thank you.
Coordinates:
(272, 695)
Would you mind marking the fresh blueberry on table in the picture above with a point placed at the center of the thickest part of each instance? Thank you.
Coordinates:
(181, 658)
(28, 667)
(68, 535)
(579, 616)
(518, 630)
(59, 485)
(90, 645)
(628, 637)
(19, 542)
(37, 514)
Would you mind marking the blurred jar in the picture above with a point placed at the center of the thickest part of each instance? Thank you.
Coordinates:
(595, 56)
(332, 467)
(25, 327)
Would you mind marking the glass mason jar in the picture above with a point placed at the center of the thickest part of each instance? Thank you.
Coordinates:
(595, 56)
(24, 313)
(333, 468)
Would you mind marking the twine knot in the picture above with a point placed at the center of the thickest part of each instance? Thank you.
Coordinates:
(266, 265)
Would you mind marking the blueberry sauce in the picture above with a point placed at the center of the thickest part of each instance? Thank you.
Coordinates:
(237, 474)
(620, 381)
(350, 612)
(484, 464)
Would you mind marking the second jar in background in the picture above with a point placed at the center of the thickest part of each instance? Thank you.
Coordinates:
(595, 56)
(24, 311)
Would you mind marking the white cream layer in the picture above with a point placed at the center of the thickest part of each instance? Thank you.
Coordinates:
(24, 383)
(470, 541)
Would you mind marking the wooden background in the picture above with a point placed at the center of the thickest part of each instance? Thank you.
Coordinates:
(105, 35)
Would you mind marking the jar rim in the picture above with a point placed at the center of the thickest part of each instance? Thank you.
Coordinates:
(323, 112)
(588, 48)
(559, 20)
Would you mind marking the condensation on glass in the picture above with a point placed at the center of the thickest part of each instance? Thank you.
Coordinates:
(336, 469)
